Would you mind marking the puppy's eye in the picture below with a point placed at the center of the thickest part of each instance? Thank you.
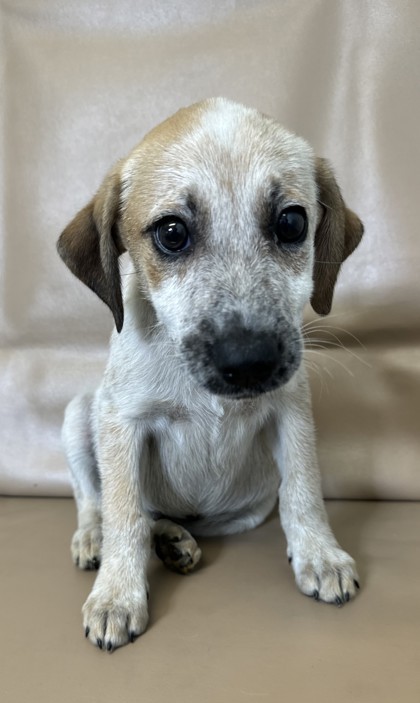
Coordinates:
(172, 236)
(292, 225)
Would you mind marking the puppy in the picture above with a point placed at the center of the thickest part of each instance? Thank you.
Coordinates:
(203, 418)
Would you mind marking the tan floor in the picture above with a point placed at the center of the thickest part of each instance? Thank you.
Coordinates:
(236, 631)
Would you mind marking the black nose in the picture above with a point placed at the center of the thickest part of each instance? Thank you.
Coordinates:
(246, 360)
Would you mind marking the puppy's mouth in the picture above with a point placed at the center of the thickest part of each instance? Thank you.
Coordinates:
(242, 363)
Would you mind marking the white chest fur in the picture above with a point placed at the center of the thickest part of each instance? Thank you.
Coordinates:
(214, 468)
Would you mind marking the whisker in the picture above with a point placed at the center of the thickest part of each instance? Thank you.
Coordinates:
(327, 328)
(314, 325)
(315, 367)
(317, 261)
(316, 321)
(321, 343)
(332, 358)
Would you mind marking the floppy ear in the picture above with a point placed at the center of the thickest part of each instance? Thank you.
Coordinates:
(91, 244)
(338, 234)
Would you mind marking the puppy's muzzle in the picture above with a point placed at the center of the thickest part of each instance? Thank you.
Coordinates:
(240, 362)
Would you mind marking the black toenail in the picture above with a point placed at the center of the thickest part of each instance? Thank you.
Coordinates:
(315, 594)
(87, 630)
(99, 642)
(109, 646)
(338, 601)
(356, 583)
(347, 597)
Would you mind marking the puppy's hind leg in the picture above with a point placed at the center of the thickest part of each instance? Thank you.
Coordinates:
(175, 546)
(79, 446)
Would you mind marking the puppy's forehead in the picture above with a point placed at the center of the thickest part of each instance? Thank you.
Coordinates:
(217, 146)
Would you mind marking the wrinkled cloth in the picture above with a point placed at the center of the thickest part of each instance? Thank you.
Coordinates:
(81, 83)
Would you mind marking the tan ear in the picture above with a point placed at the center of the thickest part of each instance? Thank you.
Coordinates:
(338, 234)
(90, 246)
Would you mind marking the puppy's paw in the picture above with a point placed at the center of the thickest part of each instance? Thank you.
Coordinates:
(177, 548)
(327, 574)
(86, 547)
(113, 618)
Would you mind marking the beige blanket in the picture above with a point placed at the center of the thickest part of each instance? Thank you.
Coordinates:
(82, 82)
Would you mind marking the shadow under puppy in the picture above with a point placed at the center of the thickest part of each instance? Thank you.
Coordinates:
(203, 417)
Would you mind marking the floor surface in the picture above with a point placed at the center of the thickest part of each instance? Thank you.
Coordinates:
(235, 631)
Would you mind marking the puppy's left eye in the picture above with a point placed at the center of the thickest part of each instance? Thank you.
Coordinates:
(171, 236)
(292, 225)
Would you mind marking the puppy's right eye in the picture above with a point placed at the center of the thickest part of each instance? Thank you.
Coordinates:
(171, 236)
(292, 225)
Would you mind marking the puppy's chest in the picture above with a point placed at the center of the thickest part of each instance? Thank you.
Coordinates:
(197, 462)
(210, 443)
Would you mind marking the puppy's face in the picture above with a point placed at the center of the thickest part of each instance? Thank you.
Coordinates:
(219, 210)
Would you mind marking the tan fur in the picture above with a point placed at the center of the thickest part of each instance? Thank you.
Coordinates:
(338, 234)
(153, 268)
(148, 159)
(91, 244)
(174, 127)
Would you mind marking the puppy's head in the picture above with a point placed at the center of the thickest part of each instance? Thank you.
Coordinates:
(233, 226)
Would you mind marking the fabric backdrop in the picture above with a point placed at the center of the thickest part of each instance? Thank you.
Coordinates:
(81, 82)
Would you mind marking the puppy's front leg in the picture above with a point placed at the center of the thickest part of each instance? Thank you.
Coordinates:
(116, 611)
(322, 569)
